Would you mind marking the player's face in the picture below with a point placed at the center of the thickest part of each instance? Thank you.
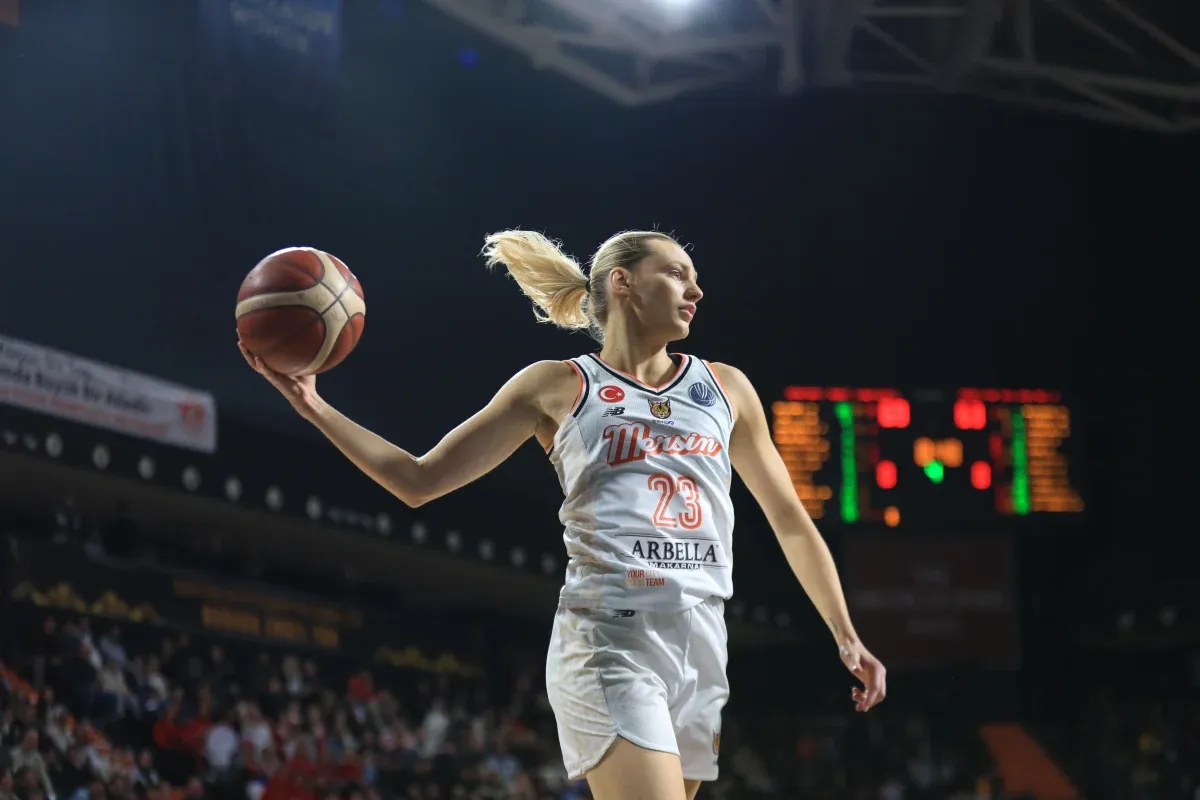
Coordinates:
(663, 291)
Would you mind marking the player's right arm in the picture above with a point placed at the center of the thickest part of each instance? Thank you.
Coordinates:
(531, 403)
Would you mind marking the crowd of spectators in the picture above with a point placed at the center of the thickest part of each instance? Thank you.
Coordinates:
(98, 712)
(95, 709)
(1137, 736)
(164, 716)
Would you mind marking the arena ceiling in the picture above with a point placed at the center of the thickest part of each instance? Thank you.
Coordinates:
(1125, 62)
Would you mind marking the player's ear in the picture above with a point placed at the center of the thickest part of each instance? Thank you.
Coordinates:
(618, 282)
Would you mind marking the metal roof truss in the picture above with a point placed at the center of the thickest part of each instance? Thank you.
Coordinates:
(1104, 60)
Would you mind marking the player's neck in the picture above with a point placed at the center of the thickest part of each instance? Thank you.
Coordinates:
(646, 361)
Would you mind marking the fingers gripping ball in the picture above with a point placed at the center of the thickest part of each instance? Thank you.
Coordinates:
(301, 311)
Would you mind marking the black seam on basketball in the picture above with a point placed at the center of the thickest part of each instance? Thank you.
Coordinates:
(349, 316)
(357, 334)
(337, 301)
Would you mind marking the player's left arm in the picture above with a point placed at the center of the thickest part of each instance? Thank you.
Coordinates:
(760, 466)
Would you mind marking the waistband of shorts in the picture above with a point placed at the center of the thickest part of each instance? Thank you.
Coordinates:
(617, 610)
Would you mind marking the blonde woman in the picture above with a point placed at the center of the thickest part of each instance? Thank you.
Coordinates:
(645, 443)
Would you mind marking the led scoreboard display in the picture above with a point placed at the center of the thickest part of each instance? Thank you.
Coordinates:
(928, 457)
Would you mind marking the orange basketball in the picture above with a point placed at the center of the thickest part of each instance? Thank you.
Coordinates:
(300, 310)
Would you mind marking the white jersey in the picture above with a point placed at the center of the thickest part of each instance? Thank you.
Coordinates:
(645, 471)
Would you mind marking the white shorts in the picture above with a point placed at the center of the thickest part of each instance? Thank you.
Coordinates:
(655, 679)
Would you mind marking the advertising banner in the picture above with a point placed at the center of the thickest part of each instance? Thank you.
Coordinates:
(71, 387)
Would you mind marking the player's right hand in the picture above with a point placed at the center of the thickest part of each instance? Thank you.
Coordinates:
(868, 669)
(300, 391)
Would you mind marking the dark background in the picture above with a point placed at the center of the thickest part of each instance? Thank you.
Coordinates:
(857, 238)
(893, 239)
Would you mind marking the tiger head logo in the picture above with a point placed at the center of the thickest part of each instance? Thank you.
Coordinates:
(661, 409)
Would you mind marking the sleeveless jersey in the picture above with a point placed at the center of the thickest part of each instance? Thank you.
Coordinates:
(645, 473)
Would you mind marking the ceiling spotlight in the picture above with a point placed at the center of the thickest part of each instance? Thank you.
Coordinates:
(548, 563)
(783, 619)
(31, 442)
(101, 457)
(384, 524)
(487, 550)
(419, 532)
(518, 557)
(10, 437)
(145, 467)
(191, 479)
(233, 489)
(336, 515)
(274, 498)
(54, 445)
(453, 541)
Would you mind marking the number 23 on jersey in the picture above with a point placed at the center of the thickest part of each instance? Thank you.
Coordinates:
(668, 488)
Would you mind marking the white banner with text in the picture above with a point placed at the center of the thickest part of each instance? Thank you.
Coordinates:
(79, 389)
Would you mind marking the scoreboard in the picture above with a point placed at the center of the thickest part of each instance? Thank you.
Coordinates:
(928, 457)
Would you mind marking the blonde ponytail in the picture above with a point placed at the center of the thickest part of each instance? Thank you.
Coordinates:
(550, 278)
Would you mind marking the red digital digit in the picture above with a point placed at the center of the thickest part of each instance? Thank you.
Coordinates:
(894, 412)
(981, 475)
(885, 474)
(970, 415)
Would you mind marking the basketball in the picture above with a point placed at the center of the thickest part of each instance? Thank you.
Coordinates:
(301, 311)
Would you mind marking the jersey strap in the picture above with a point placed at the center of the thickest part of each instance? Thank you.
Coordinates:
(585, 388)
(581, 396)
(712, 373)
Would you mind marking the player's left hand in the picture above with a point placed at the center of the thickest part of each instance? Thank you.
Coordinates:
(868, 669)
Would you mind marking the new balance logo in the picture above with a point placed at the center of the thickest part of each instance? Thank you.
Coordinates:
(614, 411)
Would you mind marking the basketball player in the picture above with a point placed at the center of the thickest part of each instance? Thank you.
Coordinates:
(644, 442)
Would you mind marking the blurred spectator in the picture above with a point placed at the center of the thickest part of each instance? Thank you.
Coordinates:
(25, 757)
(111, 648)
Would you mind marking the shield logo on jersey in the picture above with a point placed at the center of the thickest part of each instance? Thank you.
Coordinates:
(716, 743)
(661, 409)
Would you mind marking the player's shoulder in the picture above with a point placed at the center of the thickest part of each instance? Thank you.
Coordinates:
(732, 379)
(545, 377)
(541, 374)
(736, 386)
(543, 386)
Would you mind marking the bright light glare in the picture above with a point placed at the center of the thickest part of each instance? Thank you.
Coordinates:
(672, 13)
